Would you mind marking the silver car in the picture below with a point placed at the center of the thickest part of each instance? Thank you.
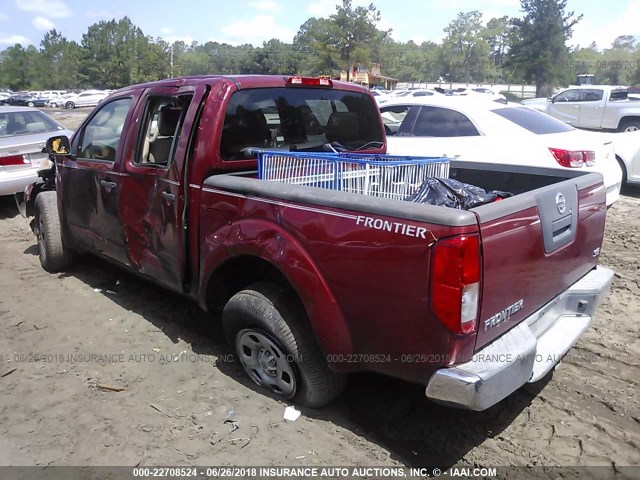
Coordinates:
(88, 98)
(23, 133)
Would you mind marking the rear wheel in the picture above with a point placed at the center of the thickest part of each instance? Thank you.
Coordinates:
(632, 125)
(54, 256)
(31, 104)
(269, 330)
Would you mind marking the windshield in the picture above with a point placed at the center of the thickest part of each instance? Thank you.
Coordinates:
(299, 119)
(26, 123)
(532, 120)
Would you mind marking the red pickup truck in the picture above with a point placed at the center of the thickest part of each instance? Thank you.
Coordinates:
(310, 283)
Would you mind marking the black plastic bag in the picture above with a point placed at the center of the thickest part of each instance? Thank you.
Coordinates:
(452, 193)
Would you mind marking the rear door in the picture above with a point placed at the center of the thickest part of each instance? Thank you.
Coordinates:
(534, 246)
(591, 108)
(90, 179)
(152, 203)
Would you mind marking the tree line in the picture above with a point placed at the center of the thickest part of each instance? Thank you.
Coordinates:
(530, 49)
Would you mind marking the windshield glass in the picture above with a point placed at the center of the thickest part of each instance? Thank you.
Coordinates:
(26, 123)
(299, 119)
(532, 120)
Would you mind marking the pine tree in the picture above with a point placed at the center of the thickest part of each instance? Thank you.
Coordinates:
(538, 46)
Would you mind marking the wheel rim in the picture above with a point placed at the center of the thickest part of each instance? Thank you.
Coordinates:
(265, 362)
(632, 128)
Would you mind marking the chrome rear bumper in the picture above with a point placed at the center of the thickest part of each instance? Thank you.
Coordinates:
(527, 352)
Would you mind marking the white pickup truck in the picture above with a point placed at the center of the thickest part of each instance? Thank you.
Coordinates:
(595, 107)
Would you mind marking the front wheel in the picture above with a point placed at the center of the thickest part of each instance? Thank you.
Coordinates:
(31, 104)
(70, 105)
(269, 329)
(54, 256)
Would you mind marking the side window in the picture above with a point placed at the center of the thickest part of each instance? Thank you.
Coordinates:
(619, 95)
(442, 122)
(592, 95)
(568, 96)
(392, 117)
(101, 135)
(161, 127)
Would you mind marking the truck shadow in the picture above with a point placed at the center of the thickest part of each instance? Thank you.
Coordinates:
(417, 432)
(8, 208)
(390, 413)
(631, 191)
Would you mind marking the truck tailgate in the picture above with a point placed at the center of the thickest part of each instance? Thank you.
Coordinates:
(535, 245)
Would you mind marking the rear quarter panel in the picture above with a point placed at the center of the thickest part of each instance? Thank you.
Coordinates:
(366, 289)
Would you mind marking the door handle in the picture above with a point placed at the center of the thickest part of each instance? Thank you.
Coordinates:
(107, 185)
(168, 196)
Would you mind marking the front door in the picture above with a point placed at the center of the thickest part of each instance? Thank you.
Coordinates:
(90, 181)
(153, 196)
(566, 106)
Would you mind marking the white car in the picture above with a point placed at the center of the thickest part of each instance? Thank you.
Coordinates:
(23, 134)
(88, 98)
(478, 129)
(627, 148)
(379, 97)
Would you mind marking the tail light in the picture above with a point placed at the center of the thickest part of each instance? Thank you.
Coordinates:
(455, 282)
(575, 158)
(310, 82)
(14, 160)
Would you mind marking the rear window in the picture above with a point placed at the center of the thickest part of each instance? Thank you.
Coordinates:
(532, 120)
(302, 119)
(26, 123)
(442, 122)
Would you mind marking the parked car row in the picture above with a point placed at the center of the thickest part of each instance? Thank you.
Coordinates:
(471, 128)
(56, 98)
(382, 96)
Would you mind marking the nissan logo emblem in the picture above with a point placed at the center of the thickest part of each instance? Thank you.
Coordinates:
(561, 203)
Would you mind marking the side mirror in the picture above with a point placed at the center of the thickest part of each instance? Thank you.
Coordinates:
(59, 145)
(551, 99)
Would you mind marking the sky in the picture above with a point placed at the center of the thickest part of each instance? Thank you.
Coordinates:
(254, 21)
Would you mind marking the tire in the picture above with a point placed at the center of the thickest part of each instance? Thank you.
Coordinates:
(269, 330)
(629, 125)
(54, 256)
(31, 104)
(70, 105)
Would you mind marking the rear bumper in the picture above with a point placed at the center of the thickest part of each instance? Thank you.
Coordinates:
(527, 352)
(17, 180)
(613, 193)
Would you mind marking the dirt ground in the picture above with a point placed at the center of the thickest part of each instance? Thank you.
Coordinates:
(185, 403)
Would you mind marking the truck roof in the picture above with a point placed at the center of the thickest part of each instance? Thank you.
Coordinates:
(241, 81)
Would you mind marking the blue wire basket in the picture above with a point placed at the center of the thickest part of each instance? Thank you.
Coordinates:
(378, 175)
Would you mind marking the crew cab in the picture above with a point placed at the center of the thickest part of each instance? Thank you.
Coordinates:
(312, 283)
(594, 107)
